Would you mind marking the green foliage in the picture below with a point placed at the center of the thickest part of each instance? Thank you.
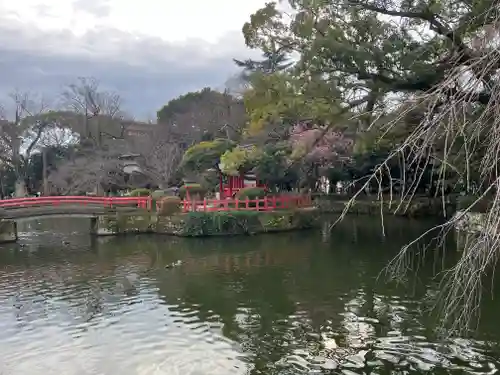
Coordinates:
(239, 159)
(337, 174)
(169, 206)
(203, 223)
(251, 193)
(7, 179)
(140, 193)
(162, 193)
(482, 205)
(204, 115)
(209, 180)
(244, 222)
(158, 195)
(185, 103)
(274, 166)
(205, 155)
(354, 41)
(195, 190)
(272, 62)
(359, 68)
(282, 98)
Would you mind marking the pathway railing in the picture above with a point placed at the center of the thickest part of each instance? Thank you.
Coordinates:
(57, 201)
(262, 204)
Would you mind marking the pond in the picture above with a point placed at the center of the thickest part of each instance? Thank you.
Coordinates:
(311, 302)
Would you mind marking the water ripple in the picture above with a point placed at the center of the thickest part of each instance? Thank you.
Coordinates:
(272, 310)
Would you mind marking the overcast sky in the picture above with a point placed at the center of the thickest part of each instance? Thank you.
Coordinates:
(148, 50)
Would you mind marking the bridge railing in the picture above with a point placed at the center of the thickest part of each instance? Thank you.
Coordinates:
(108, 202)
(206, 205)
(262, 204)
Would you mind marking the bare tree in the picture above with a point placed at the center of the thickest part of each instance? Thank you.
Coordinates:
(20, 136)
(97, 116)
(86, 173)
(98, 112)
(56, 135)
(159, 155)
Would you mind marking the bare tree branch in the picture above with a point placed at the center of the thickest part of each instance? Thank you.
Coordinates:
(459, 131)
(101, 110)
(160, 155)
(20, 136)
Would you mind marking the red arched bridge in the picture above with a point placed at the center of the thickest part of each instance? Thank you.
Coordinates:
(81, 206)
(91, 206)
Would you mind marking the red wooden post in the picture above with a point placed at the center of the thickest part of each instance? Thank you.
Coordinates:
(246, 203)
(265, 203)
(274, 202)
(204, 205)
(237, 204)
(221, 186)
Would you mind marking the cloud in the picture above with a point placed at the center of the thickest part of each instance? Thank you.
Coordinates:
(98, 8)
(147, 71)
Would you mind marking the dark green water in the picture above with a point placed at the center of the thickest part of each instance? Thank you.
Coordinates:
(300, 303)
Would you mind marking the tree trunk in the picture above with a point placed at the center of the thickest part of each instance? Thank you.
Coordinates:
(44, 168)
(20, 188)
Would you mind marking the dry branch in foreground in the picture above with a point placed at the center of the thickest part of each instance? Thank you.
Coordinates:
(459, 131)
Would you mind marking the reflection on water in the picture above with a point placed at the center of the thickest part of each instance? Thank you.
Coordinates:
(298, 303)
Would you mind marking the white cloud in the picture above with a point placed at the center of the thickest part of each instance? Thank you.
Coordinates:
(151, 50)
(168, 20)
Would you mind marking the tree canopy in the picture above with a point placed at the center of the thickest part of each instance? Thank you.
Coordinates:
(414, 83)
(203, 115)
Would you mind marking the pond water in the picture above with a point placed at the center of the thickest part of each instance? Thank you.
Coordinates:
(308, 302)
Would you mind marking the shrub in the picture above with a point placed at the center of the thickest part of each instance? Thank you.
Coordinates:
(210, 223)
(482, 206)
(251, 193)
(157, 194)
(140, 193)
(196, 191)
(168, 206)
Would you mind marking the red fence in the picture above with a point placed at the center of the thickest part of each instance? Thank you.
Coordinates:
(206, 205)
(139, 202)
(264, 204)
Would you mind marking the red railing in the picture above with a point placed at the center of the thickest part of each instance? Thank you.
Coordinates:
(206, 205)
(263, 204)
(109, 202)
